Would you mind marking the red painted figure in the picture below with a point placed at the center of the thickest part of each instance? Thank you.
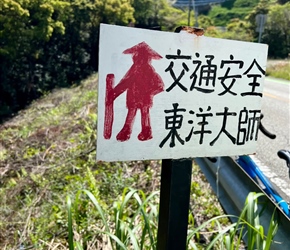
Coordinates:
(142, 83)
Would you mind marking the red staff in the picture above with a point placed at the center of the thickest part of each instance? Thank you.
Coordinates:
(142, 83)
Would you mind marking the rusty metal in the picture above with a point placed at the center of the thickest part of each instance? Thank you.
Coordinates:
(191, 30)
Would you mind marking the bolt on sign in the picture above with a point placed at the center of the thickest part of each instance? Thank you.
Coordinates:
(164, 95)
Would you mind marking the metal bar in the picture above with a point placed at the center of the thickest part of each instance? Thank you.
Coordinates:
(174, 204)
(233, 186)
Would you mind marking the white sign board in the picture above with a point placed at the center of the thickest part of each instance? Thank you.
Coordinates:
(164, 95)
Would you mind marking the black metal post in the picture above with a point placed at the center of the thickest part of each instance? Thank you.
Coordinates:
(174, 204)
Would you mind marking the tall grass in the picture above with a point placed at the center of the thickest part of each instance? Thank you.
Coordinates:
(132, 224)
(247, 228)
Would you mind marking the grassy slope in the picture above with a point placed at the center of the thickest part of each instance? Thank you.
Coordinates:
(279, 69)
(48, 152)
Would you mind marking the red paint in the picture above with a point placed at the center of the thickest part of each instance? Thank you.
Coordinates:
(142, 83)
(109, 113)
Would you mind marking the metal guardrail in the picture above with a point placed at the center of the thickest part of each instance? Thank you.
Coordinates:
(232, 185)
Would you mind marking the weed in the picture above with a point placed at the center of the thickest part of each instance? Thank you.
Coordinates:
(131, 223)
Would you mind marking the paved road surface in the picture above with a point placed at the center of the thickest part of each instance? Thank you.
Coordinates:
(276, 109)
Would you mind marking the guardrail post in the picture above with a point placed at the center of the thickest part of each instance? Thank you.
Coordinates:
(174, 204)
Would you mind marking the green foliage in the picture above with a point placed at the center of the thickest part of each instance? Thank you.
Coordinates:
(133, 216)
(282, 1)
(222, 16)
(277, 33)
(205, 21)
(238, 30)
(170, 18)
(144, 12)
(131, 223)
(261, 8)
(245, 3)
(239, 17)
(157, 14)
(228, 4)
(50, 43)
(248, 223)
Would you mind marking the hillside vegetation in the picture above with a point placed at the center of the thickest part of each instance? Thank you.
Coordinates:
(48, 152)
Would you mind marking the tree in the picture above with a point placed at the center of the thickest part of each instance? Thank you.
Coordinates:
(277, 33)
(238, 30)
(170, 17)
(283, 1)
(24, 27)
(144, 12)
(222, 16)
(157, 14)
(262, 8)
(245, 3)
(228, 4)
(173, 18)
(50, 43)
(120, 12)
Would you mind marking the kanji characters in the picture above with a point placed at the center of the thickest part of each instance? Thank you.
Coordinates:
(223, 129)
(227, 76)
(255, 75)
(248, 125)
(176, 80)
(173, 123)
(207, 76)
(201, 125)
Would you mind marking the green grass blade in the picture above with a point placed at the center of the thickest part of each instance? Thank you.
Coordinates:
(259, 237)
(192, 245)
(102, 214)
(70, 227)
(272, 230)
(78, 246)
(147, 227)
(220, 236)
(240, 228)
(191, 233)
(98, 207)
(115, 239)
(250, 215)
(227, 242)
(133, 237)
(120, 213)
(253, 220)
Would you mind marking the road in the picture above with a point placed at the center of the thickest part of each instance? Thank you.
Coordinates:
(276, 110)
